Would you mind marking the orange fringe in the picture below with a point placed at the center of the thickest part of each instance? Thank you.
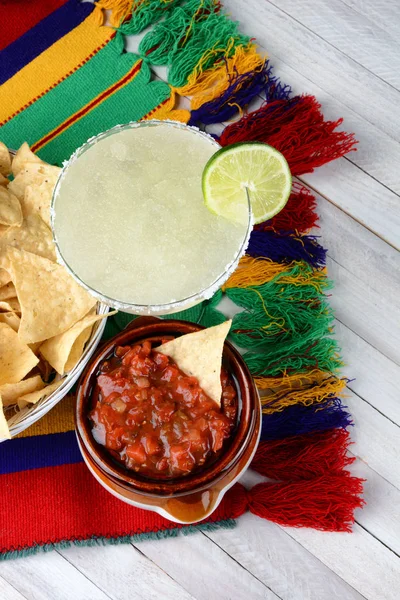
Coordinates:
(254, 271)
(205, 86)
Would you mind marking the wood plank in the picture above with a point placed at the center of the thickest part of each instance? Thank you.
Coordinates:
(132, 575)
(376, 439)
(360, 196)
(48, 576)
(8, 592)
(275, 558)
(345, 555)
(365, 311)
(301, 49)
(380, 516)
(373, 376)
(358, 558)
(203, 569)
(350, 32)
(382, 13)
(359, 251)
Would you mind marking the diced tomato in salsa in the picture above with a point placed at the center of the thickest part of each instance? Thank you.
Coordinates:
(155, 419)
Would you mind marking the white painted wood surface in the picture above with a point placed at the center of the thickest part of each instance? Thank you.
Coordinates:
(347, 53)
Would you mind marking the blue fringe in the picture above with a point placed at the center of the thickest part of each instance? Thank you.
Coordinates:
(286, 247)
(241, 91)
(300, 419)
(113, 541)
(274, 88)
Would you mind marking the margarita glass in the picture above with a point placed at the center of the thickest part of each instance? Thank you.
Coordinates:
(130, 224)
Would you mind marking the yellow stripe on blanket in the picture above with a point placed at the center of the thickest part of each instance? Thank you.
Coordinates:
(52, 66)
(58, 420)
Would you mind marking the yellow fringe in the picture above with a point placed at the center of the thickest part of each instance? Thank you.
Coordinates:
(120, 10)
(207, 85)
(166, 111)
(277, 393)
(254, 271)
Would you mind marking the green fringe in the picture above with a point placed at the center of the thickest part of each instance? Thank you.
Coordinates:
(146, 13)
(286, 323)
(287, 358)
(127, 539)
(164, 38)
(186, 34)
(286, 308)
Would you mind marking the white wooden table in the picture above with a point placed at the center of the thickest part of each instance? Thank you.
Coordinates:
(347, 53)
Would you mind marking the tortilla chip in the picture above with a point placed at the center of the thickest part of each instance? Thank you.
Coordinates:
(5, 276)
(45, 369)
(4, 429)
(3, 180)
(24, 155)
(10, 392)
(16, 358)
(33, 174)
(5, 160)
(51, 300)
(11, 319)
(10, 305)
(63, 351)
(34, 397)
(35, 347)
(199, 355)
(10, 208)
(37, 200)
(7, 291)
(33, 236)
(5, 263)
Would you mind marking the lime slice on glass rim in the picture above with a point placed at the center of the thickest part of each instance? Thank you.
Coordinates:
(253, 166)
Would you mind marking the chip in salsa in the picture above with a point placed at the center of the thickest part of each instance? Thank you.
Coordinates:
(155, 419)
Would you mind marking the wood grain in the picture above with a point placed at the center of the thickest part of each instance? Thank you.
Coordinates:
(352, 300)
(373, 377)
(382, 13)
(380, 517)
(350, 32)
(282, 563)
(124, 573)
(206, 571)
(8, 592)
(322, 64)
(358, 558)
(49, 576)
(376, 439)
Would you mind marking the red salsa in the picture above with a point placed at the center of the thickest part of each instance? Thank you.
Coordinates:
(155, 419)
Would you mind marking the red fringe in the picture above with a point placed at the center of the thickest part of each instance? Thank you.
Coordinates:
(298, 215)
(326, 503)
(303, 456)
(296, 127)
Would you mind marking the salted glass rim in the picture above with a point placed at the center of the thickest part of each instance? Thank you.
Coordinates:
(133, 307)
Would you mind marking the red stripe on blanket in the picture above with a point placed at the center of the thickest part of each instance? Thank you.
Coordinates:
(18, 16)
(66, 503)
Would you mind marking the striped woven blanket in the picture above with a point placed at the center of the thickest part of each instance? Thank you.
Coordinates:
(66, 76)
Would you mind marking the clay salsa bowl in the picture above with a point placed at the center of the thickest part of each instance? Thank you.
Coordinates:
(184, 499)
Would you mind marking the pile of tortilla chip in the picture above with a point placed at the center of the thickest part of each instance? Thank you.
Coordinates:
(46, 318)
